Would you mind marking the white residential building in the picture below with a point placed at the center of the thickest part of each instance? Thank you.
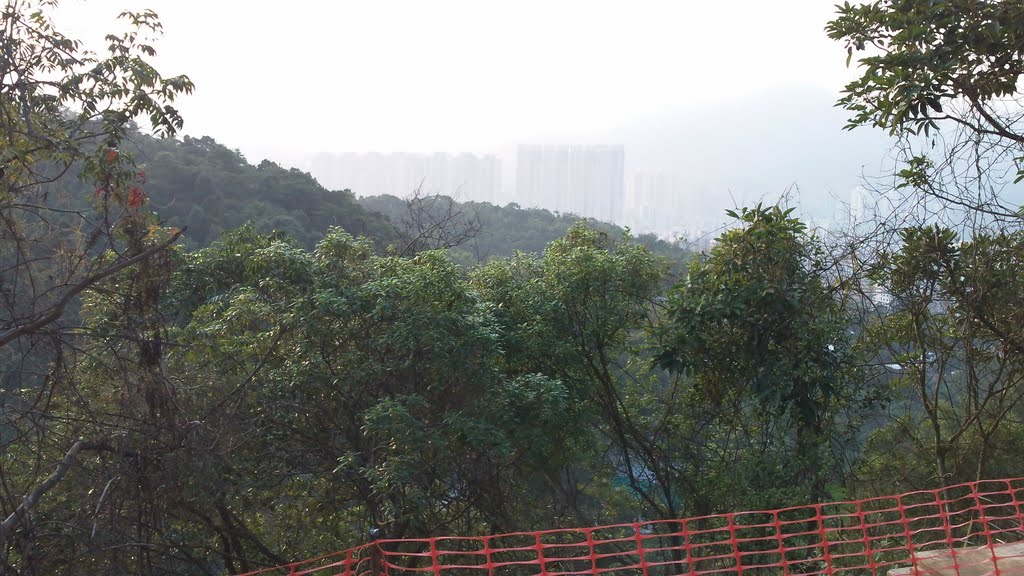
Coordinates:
(584, 180)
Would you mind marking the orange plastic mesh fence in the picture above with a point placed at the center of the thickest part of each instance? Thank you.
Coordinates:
(972, 529)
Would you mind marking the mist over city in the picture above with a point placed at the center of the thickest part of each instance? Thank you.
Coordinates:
(674, 174)
(709, 106)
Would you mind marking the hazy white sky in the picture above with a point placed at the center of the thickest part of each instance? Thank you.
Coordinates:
(737, 97)
(424, 75)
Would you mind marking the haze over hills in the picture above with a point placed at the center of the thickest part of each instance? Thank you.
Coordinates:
(742, 115)
(758, 147)
(209, 189)
(688, 167)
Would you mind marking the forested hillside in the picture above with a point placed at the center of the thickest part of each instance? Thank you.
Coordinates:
(244, 395)
(201, 184)
(488, 231)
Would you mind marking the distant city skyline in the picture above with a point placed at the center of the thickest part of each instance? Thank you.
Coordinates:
(468, 176)
(587, 180)
(572, 179)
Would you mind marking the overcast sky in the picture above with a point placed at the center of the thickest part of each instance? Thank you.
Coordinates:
(286, 79)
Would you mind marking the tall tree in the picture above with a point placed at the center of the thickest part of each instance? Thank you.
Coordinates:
(943, 77)
(757, 320)
(64, 109)
(582, 313)
(959, 383)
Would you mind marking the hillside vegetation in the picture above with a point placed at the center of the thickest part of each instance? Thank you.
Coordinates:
(201, 184)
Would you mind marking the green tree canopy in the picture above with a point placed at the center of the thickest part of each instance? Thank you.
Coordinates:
(757, 319)
(929, 61)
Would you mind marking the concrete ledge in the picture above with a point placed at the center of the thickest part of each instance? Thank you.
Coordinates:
(976, 561)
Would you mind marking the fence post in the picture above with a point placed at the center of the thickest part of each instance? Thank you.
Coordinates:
(784, 562)
(823, 535)
(348, 563)
(734, 542)
(540, 556)
(1017, 511)
(487, 556)
(907, 534)
(593, 553)
(640, 547)
(866, 533)
(986, 529)
(434, 562)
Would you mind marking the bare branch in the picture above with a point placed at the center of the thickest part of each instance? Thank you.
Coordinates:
(33, 497)
(435, 222)
(57, 309)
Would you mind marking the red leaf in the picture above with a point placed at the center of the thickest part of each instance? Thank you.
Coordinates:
(136, 197)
